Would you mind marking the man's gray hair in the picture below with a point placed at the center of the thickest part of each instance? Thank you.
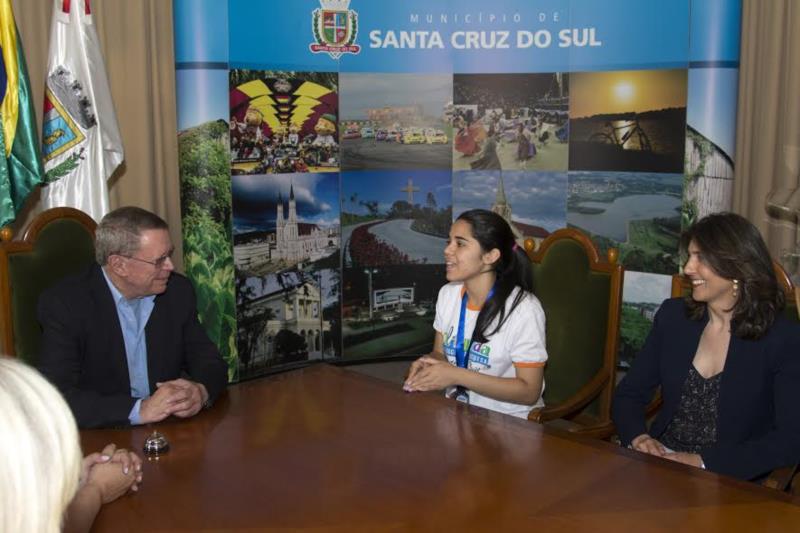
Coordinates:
(120, 231)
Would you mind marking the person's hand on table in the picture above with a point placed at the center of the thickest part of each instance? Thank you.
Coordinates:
(647, 444)
(111, 472)
(428, 373)
(415, 367)
(129, 461)
(166, 400)
(691, 459)
(105, 476)
(197, 395)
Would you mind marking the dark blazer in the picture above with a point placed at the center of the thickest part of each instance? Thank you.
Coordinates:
(758, 414)
(83, 352)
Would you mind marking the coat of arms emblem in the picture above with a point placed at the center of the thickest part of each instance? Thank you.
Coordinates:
(335, 28)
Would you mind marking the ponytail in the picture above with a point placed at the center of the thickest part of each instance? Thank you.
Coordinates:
(512, 270)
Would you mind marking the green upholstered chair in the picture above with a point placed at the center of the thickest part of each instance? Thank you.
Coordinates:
(581, 295)
(58, 242)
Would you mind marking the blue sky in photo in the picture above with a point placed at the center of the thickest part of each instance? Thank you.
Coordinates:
(642, 287)
(268, 284)
(384, 186)
(711, 105)
(202, 96)
(255, 199)
(536, 198)
(359, 92)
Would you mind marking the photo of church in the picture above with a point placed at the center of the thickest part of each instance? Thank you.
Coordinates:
(286, 318)
(283, 222)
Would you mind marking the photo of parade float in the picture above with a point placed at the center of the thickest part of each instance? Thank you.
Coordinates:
(395, 121)
(510, 121)
(283, 122)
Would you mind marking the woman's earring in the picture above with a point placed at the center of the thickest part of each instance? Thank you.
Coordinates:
(735, 288)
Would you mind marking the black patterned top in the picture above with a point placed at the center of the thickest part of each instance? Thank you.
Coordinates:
(694, 425)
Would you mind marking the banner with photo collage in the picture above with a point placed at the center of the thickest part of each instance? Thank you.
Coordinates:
(326, 146)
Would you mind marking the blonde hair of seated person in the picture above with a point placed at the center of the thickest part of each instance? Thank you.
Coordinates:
(40, 455)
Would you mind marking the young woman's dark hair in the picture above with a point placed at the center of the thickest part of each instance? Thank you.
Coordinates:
(513, 269)
(734, 249)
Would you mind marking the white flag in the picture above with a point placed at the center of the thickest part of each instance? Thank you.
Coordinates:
(81, 144)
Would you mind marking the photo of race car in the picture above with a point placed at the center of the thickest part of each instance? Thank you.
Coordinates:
(401, 121)
(352, 133)
(433, 136)
(413, 136)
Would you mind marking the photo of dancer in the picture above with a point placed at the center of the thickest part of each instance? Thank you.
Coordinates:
(510, 121)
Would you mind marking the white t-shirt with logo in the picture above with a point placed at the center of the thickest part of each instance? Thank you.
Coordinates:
(519, 343)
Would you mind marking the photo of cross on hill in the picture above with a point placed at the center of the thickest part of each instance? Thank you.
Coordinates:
(628, 120)
(395, 217)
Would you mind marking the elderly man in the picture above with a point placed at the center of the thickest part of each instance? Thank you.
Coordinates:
(121, 340)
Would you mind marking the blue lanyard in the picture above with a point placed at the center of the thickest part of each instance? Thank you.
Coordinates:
(462, 352)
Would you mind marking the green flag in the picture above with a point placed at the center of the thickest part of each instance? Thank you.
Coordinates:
(21, 167)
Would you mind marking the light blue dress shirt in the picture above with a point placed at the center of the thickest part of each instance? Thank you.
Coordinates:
(133, 315)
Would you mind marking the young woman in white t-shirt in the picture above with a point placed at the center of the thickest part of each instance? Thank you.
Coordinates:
(489, 347)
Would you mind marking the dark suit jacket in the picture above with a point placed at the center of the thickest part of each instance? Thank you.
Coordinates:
(83, 352)
(758, 414)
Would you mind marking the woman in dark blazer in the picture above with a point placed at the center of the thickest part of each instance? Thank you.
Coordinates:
(727, 362)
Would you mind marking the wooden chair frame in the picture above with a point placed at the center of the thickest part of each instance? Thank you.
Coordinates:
(27, 244)
(601, 386)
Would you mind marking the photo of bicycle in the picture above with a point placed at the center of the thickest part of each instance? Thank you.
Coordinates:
(628, 121)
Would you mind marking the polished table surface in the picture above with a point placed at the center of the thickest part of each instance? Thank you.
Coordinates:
(328, 449)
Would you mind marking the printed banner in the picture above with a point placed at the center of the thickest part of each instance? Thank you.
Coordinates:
(357, 130)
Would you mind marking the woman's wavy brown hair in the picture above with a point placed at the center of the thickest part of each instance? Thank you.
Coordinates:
(734, 249)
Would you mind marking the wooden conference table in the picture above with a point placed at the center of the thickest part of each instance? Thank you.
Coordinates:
(327, 449)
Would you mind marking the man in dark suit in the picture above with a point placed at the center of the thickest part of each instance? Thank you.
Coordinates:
(121, 340)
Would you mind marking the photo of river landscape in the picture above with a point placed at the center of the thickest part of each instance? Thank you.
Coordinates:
(639, 213)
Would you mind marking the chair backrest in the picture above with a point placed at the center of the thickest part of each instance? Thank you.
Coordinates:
(582, 298)
(57, 243)
(682, 287)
